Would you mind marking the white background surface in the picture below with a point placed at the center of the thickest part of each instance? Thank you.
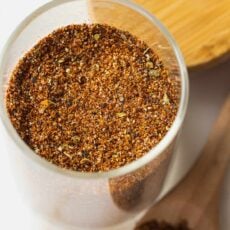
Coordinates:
(208, 90)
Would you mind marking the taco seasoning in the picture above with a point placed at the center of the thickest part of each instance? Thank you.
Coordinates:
(92, 98)
(162, 225)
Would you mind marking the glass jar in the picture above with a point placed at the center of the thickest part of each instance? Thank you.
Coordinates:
(107, 200)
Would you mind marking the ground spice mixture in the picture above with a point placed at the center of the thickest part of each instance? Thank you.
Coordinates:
(156, 225)
(91, 98)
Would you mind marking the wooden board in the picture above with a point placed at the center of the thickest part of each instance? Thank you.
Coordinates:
(200, 27)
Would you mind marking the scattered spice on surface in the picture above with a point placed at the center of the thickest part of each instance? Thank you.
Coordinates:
(162, 225)
(92, 98)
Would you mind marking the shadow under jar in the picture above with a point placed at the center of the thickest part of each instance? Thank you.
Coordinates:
(97, 200)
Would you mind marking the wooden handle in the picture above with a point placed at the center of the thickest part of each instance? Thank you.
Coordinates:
(210, 168)
(196, 198)
(203, 183)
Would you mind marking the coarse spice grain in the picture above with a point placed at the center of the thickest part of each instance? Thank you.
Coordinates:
(92, 98)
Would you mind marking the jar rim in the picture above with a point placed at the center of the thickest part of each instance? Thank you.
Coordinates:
(154, 152)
